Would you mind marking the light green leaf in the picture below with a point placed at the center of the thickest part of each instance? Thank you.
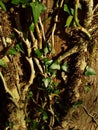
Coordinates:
(46, 81)
(19, 48)
(34, 125)
(2, 5)
(69, 20)
(89, 71)
(31, 28)
(2, 63)
(65, 67)
(37, 9)
(57, 92)
(16, 2)
(78, 103)
(46, 50)
(55, 66)
(24, 2)
(87, 88)
(12, 51)
(55, 84)
(66, 8)
(48, 62)
(30, 95)
(45, 116)
(38, 53)
(72, 11)
(80, 6)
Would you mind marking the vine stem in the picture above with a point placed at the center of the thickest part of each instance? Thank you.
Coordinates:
(68, 53)
(83, 29)
(56, 20)
(89, 14)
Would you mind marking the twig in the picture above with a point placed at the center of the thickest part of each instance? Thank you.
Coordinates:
(32, 75)
(39, 34)
(68, 53)
(84, 30)
(93, 118)
(27, 42)
(95, 8)
(8, 91)
(3, 38)
(35, 42)
(89, 13)
(30, 61)
(55, 22)
(38, 64)
(42, 28)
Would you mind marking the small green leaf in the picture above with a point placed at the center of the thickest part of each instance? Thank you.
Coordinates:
(48, 62)
(19, 48)
(12, 51)
(43, 127)
(89, 71)
(69, 20)
(53, 51)
(87, 88)
(66, 8)
(72, 11)
(30, 95)
(80, 6)
(46, 50)
(46, 81)
(2, 5)
(37, 9)
(24, 2)
(16, 2)
(31, 28)
(2, 63)
(78, 103)
(55, 84)
(33, 125)
(55, 66)
(65, 67)
(57, 92)
(45, 116)
(39, 53)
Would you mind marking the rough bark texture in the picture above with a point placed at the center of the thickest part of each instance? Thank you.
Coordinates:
(18, 76)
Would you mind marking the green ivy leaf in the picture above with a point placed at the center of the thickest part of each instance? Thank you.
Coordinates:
(38, 53)
(80, 6)
(37, 9)
(2, 63)
(45, 116)
(55, 66)
(72, 11)
(16, 2)
(69, 20)
(47, 61)
(33, 125)
(31, 27)
(2, 5)
(78, 103)
(65, 67)
(57, 92)
(30, 95)
(24, 2)
(89, 71)
(87, 88)
(66, 8)
(46, 81)
(19, 48)
(12, 51)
